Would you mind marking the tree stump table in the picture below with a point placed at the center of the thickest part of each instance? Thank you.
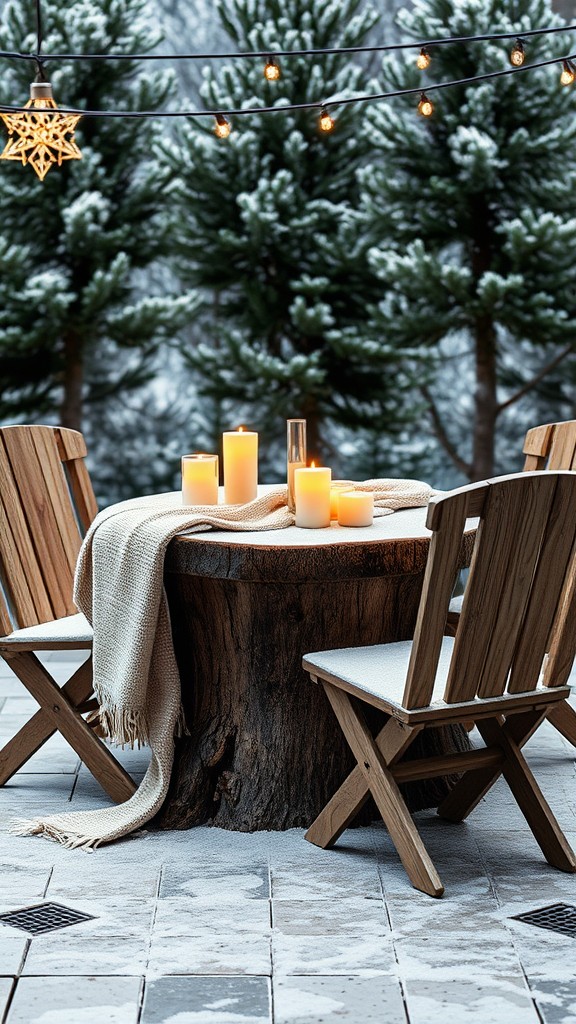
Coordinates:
(265, 751)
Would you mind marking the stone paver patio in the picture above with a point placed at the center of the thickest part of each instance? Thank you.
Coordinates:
(213, 927)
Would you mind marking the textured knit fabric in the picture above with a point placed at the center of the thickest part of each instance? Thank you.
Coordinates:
(119, 588)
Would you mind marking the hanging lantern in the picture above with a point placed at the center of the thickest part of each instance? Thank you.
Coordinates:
(41, 139)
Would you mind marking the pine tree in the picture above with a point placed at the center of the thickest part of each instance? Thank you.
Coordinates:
(270, 230)
(472, 214)
(77, 320)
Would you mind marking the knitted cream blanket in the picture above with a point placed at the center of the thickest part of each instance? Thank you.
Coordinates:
(119, 588)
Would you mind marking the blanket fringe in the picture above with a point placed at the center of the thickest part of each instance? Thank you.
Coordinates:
(70, 840)
(124, 726)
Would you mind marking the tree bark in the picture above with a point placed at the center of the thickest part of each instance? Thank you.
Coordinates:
(265, 751)
(485, 397)
(485, 400)
(72, 381)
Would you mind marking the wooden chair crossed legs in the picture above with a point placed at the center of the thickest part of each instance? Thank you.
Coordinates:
(46, 503)
(519, 604)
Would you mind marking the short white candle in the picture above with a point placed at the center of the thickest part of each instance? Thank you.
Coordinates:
(200, 479)
(312, 494)
(356, 508)
(240, 466)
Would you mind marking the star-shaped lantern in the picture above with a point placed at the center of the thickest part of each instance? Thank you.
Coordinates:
(42, 139)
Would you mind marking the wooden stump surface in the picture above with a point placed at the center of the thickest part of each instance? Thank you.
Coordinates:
(265, 751)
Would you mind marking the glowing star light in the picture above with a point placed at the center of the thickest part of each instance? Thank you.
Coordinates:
(41, 139)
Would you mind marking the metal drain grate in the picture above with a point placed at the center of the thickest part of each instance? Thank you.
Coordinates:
(558, 917)
(45, 917)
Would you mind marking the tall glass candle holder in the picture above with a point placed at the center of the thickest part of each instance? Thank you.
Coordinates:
(296, 455)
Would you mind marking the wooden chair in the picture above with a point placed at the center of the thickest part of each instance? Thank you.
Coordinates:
(46, 504)
(519, 604)
(553, 446)
(549, 446)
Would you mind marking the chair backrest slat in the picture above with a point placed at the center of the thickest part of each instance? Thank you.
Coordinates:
(524, 520)
(559, 662)
(441, 571)
(41, 536)
(551, 446)
(547, 588)
(515, 553)
(496, 591)
(28, 599)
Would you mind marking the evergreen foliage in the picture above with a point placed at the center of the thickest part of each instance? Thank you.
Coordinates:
(271, 232)
(473, 219)
(77, 321)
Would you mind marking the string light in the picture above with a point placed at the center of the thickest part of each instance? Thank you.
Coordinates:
(42, 140)
(425, 107)
(222, 128)
(518, 54)
(568, 73)
(272, 70)
(423, 60)
(326, 122)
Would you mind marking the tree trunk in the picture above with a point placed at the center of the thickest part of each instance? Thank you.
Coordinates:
(485, 397)
(72, 382)
(485, 400)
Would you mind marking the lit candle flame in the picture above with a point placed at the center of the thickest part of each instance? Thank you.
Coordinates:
(240, 430)
(312, 464)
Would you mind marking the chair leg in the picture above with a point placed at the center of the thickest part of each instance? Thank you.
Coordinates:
(64, 717)
(32, 736)
(563, 717)
(529, 797)
(392, 740)
(389, 800)
(473, 786)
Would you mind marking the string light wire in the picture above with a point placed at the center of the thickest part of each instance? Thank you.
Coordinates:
(311, 105)
(263, 54)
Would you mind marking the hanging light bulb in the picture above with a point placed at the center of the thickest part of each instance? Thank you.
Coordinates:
(222, 128)
(326, 122)
(568, 73)
(272, 70)
(423, 59)
(41, 139)
(425, 107)
(518, 54)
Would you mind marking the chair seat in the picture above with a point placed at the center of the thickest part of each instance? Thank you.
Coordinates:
(378, 674)
(71, 629)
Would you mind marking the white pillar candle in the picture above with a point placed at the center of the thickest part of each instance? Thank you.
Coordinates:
(312, 494)
(240, 466)
(356, 508)
(200, 479)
